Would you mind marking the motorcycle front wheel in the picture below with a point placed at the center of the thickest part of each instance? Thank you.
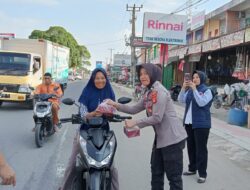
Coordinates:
(79, 182)
(39, 135)
(106, 180)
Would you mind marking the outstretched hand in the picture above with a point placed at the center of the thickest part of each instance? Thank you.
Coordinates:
(112, 103)
(129, 123)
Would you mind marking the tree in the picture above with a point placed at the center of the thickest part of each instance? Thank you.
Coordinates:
(59, 35)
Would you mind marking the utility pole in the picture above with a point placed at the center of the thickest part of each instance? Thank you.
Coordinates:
(111, 54)
(133, 9)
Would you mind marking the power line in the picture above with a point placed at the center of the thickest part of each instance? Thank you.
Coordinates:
(103, 43)
(182, 8)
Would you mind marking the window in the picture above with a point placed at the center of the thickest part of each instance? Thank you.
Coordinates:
(36, 64)
(209, 35)
(216, 32)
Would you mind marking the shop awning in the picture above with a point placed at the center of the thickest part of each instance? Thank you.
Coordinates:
(173, 59)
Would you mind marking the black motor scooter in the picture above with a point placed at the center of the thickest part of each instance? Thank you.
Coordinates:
(97, 150)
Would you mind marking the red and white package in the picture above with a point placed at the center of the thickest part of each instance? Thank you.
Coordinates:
(132, 132)
(105, 108)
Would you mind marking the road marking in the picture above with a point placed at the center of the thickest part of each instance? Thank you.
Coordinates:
(60, 168)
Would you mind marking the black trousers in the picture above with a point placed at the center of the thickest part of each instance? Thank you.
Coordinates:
(197, 149)
(167, 160)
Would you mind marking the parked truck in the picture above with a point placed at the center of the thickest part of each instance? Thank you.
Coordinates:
(23, 63)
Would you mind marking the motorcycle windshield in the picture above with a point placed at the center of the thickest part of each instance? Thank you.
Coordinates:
(98, 137)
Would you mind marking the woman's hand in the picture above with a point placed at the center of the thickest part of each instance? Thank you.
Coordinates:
(192, 85)
(112, 103)
(93, 114)
(185, 85)
(8, 175)
(129, 123)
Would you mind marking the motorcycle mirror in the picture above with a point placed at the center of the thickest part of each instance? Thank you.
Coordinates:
(68, 101)
(124, 100)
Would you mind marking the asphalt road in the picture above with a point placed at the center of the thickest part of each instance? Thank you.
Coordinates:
(42, 169)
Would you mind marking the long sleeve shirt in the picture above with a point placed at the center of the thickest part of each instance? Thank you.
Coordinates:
(83, 110)
(161, 115)
(202, 99)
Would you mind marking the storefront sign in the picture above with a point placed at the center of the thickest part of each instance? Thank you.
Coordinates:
(194, 49)
(247, 35)
(122, 60)
(194, 57)
(211, 45)
(7, 35)
(232, 39)
(182, 52)
(164, 28)
(137, 42)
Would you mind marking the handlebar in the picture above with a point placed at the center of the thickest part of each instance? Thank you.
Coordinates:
(76, 119)
(66, 120)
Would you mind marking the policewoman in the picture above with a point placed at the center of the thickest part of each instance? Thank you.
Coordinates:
(170, 135)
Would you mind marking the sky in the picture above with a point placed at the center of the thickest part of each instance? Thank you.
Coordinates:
(100, 25)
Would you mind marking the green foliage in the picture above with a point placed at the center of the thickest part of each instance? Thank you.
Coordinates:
(59, 35)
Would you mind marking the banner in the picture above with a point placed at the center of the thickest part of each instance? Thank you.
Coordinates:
(232, 39)
(211, 45)
(247, 35)
(194, 49)
(122, 60)
(164, 28)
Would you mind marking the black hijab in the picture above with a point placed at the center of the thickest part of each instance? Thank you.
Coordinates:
(154, 72)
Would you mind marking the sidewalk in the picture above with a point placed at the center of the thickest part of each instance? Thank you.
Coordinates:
(237, 135)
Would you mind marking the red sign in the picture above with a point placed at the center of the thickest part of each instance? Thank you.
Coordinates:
(7, 35)
(137, 42)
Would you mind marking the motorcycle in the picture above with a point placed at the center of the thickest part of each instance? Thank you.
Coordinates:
(174, 91)
(43, 118)
(229, 101)
(97, 150)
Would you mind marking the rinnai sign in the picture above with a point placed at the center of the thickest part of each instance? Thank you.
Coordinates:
(198, 20)
(164, 28)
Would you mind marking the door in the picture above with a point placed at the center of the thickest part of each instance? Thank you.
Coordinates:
(168, 76)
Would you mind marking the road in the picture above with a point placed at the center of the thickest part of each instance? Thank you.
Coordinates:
(42, 169)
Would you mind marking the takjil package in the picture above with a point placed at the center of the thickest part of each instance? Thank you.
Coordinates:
(132, 132)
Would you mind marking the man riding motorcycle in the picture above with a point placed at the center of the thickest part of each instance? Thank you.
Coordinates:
(50, 87)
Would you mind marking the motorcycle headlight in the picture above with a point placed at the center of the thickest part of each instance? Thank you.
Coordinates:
(112, 150)
(24, 88)
(92, 161)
